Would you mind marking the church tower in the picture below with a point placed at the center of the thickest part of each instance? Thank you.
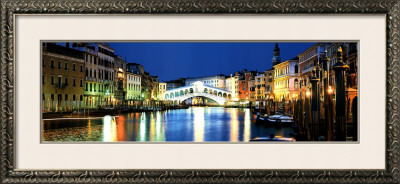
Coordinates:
(276, 59)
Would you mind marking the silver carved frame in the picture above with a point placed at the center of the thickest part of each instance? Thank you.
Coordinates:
(390, 8)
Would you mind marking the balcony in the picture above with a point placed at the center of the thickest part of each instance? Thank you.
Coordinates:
(92, 79)
(60, 85)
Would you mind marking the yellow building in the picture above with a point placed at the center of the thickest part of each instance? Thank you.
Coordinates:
(260, 86)
(62, 78)
(286, 80)
(269, 84)
(134, 87)
(162, 87)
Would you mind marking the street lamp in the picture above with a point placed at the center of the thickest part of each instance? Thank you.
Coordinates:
(308, 93)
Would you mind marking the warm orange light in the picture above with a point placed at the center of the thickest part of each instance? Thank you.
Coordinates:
(330, 90)
(308, 93)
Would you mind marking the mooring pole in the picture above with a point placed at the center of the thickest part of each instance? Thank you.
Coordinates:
(314, 105)
(340, 92)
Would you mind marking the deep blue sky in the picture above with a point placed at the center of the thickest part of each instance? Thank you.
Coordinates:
(187, 59)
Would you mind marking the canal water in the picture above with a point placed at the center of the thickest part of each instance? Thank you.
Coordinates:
(196, 124)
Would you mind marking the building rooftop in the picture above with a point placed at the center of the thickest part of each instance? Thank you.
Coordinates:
(65, 51)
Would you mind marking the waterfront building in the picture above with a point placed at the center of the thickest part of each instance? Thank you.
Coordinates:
(134, 86)
(260, 86)
(120, 78)
(351, 59)
(217, 81)
(172, 84)
(148, 87)
(162, 87)
(155, 88)
(62, 78)
(231, 84)
(269, 83)
(308, 60)
(243, 84)
(106, 72)
(286, 80)
(93, 85)
(99, 73)
(252, 88)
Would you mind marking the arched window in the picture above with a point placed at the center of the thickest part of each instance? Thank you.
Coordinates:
(296, 83)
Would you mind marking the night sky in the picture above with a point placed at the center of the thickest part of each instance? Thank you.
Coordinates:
(171, 61)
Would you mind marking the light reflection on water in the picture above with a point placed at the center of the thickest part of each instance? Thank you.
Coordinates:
(196, 124)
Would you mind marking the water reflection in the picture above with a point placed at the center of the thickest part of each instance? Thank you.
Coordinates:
(196, 124)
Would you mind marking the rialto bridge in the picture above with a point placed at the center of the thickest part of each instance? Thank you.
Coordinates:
(198, 89)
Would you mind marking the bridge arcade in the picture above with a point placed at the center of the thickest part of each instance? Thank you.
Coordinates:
(198, 89)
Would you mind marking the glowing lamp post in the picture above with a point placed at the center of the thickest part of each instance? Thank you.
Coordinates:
(330, 90)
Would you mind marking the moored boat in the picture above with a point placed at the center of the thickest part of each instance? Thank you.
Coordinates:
(274, 138)
(276, 119)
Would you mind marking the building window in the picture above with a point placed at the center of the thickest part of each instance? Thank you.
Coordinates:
(73, 97)
(81, 68)
(66, 65)
(66, 81)
(80, 98)
(42, 79)
(86, 87)
(59, 65)
(43, 62)
(74, 82)
(74, 67)
(52, 64)
(91, 87)
(66, 97)
(52, 80)
(81, 83)
(43, 97)
(52, 97)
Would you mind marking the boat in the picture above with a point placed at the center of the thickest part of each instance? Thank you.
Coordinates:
(276, 119)
(274, 138)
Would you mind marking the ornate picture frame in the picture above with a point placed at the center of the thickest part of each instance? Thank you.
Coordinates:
(390, 8)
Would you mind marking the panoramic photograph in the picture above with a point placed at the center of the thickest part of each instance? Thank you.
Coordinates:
(199, 92)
